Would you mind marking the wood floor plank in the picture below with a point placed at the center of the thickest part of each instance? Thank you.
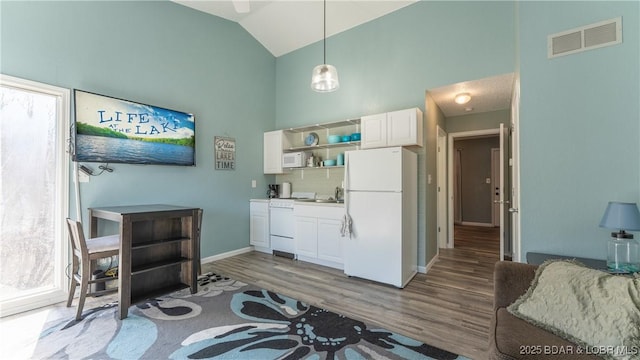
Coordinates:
(450, 307)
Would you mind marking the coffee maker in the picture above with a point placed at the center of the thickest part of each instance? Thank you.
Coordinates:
(274, 190)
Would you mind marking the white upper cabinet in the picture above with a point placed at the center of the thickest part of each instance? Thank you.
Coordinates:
(404, 127)
(274, 142)
(374, 131)
(397, 128)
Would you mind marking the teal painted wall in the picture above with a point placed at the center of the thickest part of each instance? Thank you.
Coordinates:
(579, 126)
(167, 55)
(389, 63)
(580, 116)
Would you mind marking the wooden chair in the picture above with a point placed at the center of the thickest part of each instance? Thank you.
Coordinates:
(197, 238)
(84, 252)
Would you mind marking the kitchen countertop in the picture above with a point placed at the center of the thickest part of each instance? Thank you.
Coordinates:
(313, 203)
(305, 202)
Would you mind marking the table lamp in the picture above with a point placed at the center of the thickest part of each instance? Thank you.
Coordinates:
(623, 252)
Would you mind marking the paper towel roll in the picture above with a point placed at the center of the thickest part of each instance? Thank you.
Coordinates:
(286, 190)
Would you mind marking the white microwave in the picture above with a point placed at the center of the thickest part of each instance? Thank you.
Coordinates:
(294, 159)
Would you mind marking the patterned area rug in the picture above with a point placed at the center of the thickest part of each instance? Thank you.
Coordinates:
(226, 319)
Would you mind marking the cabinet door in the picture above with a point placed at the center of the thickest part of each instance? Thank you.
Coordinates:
(374, 131)
(306, 236)
(329, 240)
(404, 127)
(259, 229)
(273, 143)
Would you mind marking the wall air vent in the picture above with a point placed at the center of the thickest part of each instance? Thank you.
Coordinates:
(604, 33)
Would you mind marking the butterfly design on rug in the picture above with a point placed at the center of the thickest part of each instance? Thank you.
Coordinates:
(284, 328)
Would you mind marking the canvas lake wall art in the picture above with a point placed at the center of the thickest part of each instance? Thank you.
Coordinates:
(112, 130)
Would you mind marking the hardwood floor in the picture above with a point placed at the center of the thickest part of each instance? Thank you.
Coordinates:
(477, 238)
(450, 307)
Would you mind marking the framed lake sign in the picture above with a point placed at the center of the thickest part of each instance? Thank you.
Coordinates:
(112, 130)
(225, 152)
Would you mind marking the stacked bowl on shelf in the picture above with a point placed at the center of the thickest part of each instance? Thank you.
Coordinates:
(334, 139)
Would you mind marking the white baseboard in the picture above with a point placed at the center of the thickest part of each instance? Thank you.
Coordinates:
(431, 263)
(226, 255)
(470, 223)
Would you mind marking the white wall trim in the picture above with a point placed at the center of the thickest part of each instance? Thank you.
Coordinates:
(425, 269)
(60, 289)
(226, 255)
(441, 190)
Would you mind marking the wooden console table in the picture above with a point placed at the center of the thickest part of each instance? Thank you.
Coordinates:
(536, 258)
(157, 249)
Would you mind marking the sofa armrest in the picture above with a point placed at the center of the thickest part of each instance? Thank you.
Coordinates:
(511, 280)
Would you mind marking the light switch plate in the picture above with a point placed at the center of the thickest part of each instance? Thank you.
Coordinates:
(254, 183)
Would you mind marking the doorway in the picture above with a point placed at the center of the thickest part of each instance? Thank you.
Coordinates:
(35, 182)
(491, 109)
(470, 189)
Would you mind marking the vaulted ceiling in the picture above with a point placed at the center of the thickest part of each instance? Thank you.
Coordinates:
(283, 26)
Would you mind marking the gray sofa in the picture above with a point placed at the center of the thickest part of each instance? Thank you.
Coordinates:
(513, 338)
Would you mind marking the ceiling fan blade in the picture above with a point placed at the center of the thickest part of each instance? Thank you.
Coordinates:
(241, 6)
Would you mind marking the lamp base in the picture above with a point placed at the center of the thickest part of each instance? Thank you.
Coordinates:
(623, 255)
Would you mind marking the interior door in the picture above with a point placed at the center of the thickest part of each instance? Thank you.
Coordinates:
(504, 184)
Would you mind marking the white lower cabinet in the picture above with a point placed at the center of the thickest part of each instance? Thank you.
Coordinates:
(259, 225)
(317, 235)
(329, 240)
(306, 237)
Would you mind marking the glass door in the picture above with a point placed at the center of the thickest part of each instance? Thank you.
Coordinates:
(34, 182)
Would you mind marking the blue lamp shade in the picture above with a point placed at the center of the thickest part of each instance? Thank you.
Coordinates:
(621, 216)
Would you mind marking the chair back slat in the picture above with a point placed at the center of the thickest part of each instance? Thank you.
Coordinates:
(78, 242)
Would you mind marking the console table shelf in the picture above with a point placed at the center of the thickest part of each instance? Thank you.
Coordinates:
(157, 265)
(161, 242)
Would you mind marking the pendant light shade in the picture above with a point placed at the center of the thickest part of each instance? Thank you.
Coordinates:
(324, 78)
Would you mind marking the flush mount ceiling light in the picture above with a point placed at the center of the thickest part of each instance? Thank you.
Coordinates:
(324, 78)
(462, 98)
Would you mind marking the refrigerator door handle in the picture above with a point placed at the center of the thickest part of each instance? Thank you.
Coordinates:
(345, 229)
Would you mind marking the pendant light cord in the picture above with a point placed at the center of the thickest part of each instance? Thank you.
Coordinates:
(324, 41)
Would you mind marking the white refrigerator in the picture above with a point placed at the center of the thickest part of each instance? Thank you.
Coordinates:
(381, 198)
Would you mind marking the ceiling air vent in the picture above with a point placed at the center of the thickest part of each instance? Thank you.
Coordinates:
(604, 33)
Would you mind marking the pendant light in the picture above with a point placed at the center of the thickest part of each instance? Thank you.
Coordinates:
(324, 78)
